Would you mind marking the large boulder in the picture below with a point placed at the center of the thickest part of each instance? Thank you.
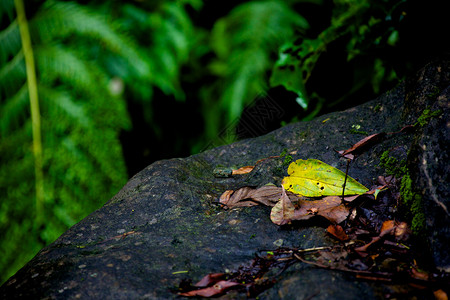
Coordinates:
(165, 224)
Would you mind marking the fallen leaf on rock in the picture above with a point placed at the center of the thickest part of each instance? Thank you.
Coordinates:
(267, 195)
(417, 274)
(389, 224)
(338, 232)
(243, 170)
(440, 295)
(225, 197)
(387, 228)
(402, 232)
(217, 289)
(385, 180)
(283, 211)
(330, 207)
(361, 145)
(313, 178)
(210, 279)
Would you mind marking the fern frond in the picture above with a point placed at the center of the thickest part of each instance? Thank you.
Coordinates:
(80, 125)
(244, 42)
(61, 64)
(170, 32)
(14, 112)
(10, 41)
(59, 20)
(68, 107)
(7, 10)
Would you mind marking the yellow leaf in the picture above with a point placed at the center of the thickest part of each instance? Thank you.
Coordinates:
(313, 178)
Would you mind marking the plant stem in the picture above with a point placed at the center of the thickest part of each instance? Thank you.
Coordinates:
(34, 105)
(345, 180)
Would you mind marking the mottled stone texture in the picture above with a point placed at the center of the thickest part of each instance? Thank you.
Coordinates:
(166, 218)
(429, 156)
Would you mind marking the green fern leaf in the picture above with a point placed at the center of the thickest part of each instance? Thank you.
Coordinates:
(82, 157)
(244, 42)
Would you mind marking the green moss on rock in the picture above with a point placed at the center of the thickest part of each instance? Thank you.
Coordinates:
(426, 116)
(392, 165)
(412, 201)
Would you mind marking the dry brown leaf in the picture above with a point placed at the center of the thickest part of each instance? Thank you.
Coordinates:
(421, 275)
(210, 279)
(243, 170)
(215, 290)
(440, 295)
(389, 224)
(399, 229)
(225, 197)
(233, 199)
(402, 232)
(283, 211)
(330, 207)
(338, 232)
(359, 146)
(267, 195)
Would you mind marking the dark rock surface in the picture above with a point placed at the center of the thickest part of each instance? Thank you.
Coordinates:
(165, 225)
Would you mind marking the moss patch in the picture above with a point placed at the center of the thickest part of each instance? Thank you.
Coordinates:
(392, 165)
(355, 130)
(426, 116)
(287, 159)
(413, 203)
(411, 200)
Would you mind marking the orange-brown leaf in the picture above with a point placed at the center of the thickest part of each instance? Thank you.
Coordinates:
(330, 207)
(243, 170)
(338, 232)
(440, 295)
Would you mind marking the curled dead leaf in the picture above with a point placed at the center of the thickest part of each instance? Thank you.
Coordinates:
(440, 295)
(338, 232)
(389, 224)
(210, 279)
(362, 145)
(242, 170)
(247, 196)
(283, 211)
(225, 197)
(330, 207)
(217, 289)
(400, 230)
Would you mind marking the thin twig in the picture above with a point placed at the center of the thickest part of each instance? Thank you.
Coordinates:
(345, 180)
(313, 249)
(386, 276)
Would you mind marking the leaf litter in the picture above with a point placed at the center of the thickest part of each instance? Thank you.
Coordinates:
(371, 244)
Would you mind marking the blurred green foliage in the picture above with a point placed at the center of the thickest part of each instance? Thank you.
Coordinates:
(174, 72)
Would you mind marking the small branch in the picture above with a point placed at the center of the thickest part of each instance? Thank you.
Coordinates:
(384, 276)
(312, 249)
(345, 180)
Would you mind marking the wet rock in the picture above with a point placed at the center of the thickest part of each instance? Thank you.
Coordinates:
(430, 156)
(166, 225)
